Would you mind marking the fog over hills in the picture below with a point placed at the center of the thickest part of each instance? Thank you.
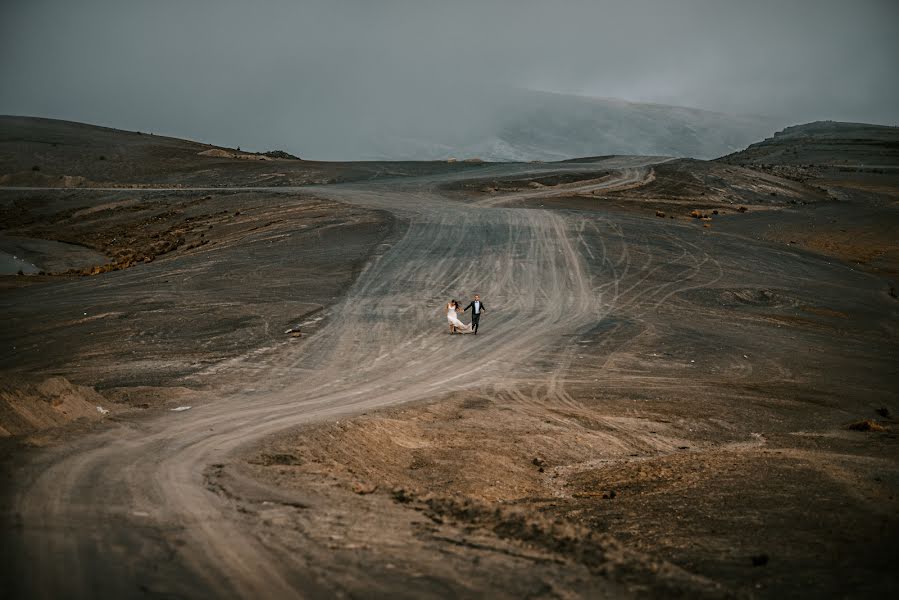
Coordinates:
(401, 80)
(530, 125)
(492, 123)
(501, 125)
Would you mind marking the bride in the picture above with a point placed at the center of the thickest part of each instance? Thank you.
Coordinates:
(455, 325)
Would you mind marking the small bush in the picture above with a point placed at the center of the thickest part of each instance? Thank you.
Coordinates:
(102, 157)
(866, 425)
(36, 168)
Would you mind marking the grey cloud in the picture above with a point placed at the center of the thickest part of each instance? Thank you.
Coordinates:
(324, 78)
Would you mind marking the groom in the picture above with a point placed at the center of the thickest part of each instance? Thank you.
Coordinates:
(477, 307)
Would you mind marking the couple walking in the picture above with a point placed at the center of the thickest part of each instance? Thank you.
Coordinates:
(457, 326)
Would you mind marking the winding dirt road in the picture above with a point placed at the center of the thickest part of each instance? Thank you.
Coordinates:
(130, 509)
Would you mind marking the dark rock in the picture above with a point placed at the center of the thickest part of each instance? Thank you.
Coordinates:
(268, 459)
(402, 496)
(759, 560)
(866, 425)
(280, 154)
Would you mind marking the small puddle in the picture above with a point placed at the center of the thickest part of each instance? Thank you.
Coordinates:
(11, 264)
(32, 255)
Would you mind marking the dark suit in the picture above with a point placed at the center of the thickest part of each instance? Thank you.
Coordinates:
(475, 314)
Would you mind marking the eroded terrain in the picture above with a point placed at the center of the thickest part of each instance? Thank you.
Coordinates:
(677, 388)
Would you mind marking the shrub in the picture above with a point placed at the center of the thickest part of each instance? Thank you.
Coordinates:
(36, 168)
(866, 425)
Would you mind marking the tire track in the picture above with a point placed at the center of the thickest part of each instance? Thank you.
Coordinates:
(382, 346)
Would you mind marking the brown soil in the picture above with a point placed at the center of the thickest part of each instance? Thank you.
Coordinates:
(654, 407)
(221, 242)
(708, 495)
(684, 185)
(29, 407)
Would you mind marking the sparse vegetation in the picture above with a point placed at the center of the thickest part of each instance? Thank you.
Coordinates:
(280, 154)
(866, 425)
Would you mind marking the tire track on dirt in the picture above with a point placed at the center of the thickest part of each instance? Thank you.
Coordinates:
(102, 496)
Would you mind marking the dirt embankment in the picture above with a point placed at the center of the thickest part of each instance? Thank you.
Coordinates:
(682, 189)
(489, 186)
(29, 407)
(671, 503)
(804, 148)
(194, 278)
(683, 185)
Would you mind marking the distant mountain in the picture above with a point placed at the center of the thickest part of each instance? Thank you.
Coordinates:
(825, 143)
(530, 125)
(493, 125)
(43, 152)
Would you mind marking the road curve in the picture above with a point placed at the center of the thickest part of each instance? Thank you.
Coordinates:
(98, 517)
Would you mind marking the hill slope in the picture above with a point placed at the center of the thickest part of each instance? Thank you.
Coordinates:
(825, 143)
(53, 153)
(532, 125)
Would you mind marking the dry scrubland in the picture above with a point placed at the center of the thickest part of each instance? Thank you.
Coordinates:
(685, 386)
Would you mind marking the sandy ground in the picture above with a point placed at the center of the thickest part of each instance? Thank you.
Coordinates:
(653, 407)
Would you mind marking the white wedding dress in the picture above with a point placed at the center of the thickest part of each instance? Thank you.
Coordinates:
(454, 320)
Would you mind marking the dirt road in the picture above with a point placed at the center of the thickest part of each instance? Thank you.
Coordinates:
(132, 509)
(129, 509)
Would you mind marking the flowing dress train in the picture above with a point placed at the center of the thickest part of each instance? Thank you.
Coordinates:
(455, 322)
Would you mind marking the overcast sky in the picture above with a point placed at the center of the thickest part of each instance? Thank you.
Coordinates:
(267, 72)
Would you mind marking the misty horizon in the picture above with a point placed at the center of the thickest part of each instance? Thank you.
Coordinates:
(400, 80)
